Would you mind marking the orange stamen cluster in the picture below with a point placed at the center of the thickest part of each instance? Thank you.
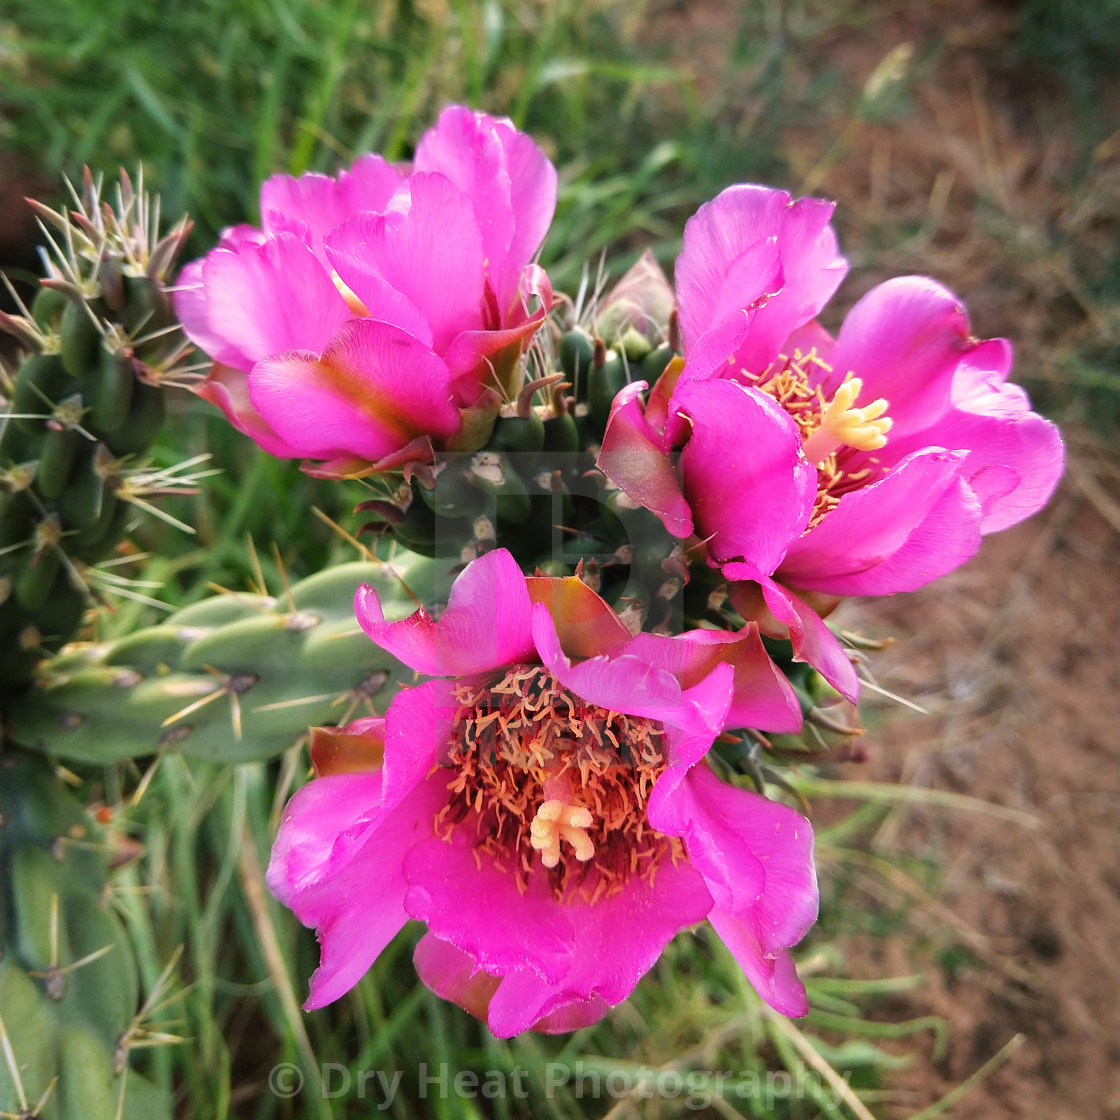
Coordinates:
(551, 785)
(790, 382)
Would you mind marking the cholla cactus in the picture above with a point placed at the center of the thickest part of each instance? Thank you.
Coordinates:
(69, 987)
(233, 678)
(101, 342)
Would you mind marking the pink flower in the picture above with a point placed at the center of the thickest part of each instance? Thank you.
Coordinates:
(372, 308)
(863, 465)
(544, 806)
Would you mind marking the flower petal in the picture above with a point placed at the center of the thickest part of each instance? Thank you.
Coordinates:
(426, 246)
(454, 975)
(743, 472)
(856, 548)
(352, 932)
(264, 299)
(634, 459)
(755, 854)
(319, 203)
(718, 272)
(509, 180)
(585, 624)
(762, 697)
(812, 640)
(418, 726)
(773, 975)
(487, 622)
(1014, 457)
(477, 907)
(619, 683)
(228, 388)
(617, 940)
(358, 748)
(904, 340)
(374, 389)
(312, 822)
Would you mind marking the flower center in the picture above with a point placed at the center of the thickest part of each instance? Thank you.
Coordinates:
(830, 429)
(551, 785)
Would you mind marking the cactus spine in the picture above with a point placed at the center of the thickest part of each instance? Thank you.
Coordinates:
(100, 342)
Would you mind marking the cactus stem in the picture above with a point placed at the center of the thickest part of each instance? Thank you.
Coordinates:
(232, 686)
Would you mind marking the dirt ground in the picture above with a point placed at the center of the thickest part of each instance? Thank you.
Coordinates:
(977, 180)
(1015, 659)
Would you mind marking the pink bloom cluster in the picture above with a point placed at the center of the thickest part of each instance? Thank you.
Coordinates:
(814, 467)
(544, 803)
(545, 807)
(372, 308)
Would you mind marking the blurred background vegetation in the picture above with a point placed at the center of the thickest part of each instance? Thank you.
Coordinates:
(973, 141)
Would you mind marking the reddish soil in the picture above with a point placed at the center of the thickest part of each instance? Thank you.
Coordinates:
(976, 178)
(1015, 657)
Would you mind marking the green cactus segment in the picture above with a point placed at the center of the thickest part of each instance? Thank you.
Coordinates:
(234, 678)
(69, 990)
(100, 342)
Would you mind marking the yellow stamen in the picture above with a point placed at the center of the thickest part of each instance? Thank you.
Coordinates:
(556, 821)
(842, 424)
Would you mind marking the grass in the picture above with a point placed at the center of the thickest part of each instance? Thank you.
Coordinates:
(646, 118)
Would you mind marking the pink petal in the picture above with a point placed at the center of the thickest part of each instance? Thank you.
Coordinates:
(312, 821)
(617, 941)
(193, 309)
(374, 389)
(762, 697)
(356, 905)
(585, 624)
(920, 506)
(466, 149)
(812, 640)
(718, 271)
(620, 683)
(466, 356)
(319, 203)
(1014, 457)
(510, 182)
(228, 388)
(754, 280)
(418, 729)
(487, 622)
(772, 974)
(478, 908)
(453, 975)
(904, 340)
(633, 457)
(743, 472)
(533, 198)
(755, 854)
(267, 299)
(949, 535)
(691, 732)
(426, 246)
